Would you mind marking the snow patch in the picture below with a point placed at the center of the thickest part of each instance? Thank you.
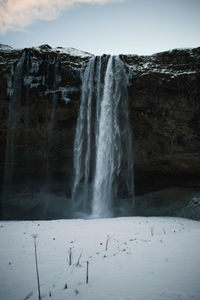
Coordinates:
(35, 64)
(5, 47)
(146, 259)
(32, 80)
(72, 52)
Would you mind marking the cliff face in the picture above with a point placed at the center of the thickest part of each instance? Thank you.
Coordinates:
(39, 103)
(165, 107)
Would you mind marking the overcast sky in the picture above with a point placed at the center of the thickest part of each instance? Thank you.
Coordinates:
(101, 26)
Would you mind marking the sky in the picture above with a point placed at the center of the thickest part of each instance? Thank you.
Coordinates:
(101, 26)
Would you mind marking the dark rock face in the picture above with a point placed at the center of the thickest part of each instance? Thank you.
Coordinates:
(48, 94)
(165, 107)
(164, 97)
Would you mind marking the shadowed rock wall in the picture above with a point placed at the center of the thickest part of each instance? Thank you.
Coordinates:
(165, 107)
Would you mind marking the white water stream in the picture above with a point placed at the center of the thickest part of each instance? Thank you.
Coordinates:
(103, 159)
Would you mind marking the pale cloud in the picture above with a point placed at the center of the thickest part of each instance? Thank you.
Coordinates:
(17, 14)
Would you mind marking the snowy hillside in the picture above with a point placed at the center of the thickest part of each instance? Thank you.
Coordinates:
(72, 51)
(5, 47)
(146, 259)
(69, 51)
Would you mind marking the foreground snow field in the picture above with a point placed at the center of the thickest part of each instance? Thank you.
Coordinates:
(147, 259)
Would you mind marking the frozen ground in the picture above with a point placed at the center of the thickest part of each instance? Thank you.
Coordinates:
(147, 259)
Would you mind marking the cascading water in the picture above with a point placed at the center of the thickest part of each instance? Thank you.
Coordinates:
(103, 164)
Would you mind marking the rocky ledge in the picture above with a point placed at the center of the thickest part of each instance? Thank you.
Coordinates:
(39, 126)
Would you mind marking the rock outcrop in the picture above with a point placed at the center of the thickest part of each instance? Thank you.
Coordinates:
(41, 88)
(165, 107)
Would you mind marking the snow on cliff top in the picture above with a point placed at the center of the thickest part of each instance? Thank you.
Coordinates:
(72, 51)
(5, 47)
(163, 52)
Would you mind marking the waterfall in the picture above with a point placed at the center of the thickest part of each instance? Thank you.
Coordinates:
(103, 163)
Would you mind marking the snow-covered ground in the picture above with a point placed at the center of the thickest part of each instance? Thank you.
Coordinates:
(147, 259)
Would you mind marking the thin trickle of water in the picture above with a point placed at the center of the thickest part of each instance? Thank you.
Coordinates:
(103, 164)
(80, 192)
(19, 85)
(13, 119)
(52, 81)
(54, 64)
